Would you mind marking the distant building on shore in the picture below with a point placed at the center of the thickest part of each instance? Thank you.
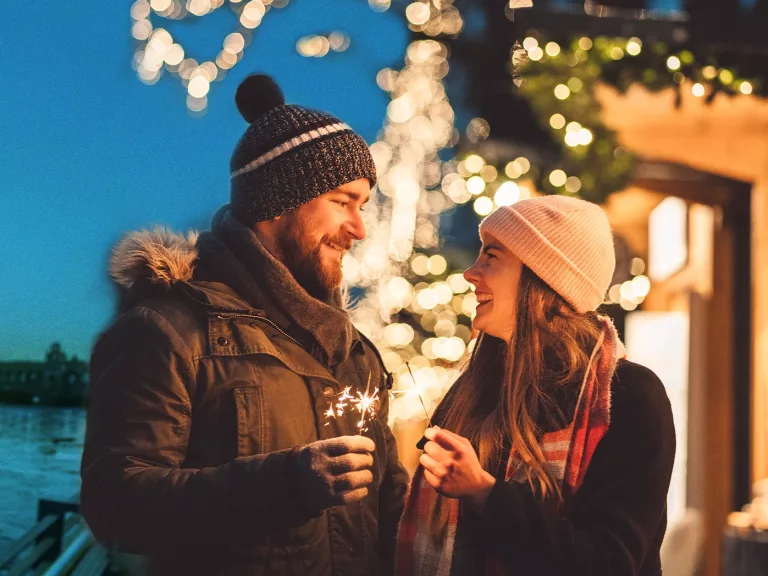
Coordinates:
(57, 381)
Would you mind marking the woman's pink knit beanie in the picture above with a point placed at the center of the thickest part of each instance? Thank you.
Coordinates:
(567, 242)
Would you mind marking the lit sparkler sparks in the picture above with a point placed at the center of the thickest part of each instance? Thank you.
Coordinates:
(363, 402)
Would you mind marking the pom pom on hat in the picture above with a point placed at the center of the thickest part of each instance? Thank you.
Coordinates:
(256, 95)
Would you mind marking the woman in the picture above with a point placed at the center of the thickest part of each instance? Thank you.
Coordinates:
(551, 454)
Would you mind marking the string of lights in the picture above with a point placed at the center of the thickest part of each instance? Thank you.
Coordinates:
(157, 53)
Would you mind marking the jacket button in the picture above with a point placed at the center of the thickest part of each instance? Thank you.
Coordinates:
(328, 391)
(222, 341)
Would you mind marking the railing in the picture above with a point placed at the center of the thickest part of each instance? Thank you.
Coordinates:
(59, 544)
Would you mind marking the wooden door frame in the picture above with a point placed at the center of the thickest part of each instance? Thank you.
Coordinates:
(720, 428)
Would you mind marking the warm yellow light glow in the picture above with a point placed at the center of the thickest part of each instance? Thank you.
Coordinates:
(226, 60)
(585, 136)
(196, 104)
(745, 88)
(557, 178)
(198, 86)
(616, 53)
(174, 55)
(523, 163)
(489, 173)
(530, 42)
(573, 184)
(614, 293)
(417, 13)
(557, 121)
(552, 49)
(641, 285)
(160, 5)
(585, 43)
(474, 163)
(199, 7)
(535, 53)
(436, 265)
(401, 109)
(636, 266)
(141, 29)
(673, 63)
(573, 127)
(398, 287)
(483, 206)
(512, 170)
(419, 264)
(140, 9)
(698, 90)
(234, 42)
(458, 283)
(562, 91)
(709, 72)
(476, 185)
(575, 84)
(726, 76)
(252, 14)
(379, 5)
(469, 304)
(634, 46)
(427, 298)
(507, 194)
(338, 42)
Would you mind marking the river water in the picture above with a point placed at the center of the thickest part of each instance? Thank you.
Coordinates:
(40, 450)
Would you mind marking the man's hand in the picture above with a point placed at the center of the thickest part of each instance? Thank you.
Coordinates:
(337, 471)
(452, 468)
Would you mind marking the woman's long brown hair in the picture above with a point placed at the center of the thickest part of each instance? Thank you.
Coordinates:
(505, 393)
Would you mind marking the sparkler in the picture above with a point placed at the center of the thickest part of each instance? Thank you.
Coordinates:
(363, 402)
(421, 443)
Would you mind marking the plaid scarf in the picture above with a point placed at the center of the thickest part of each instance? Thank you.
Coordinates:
(568, 453)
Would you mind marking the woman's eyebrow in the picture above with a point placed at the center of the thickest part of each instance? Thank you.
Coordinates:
(492, 246)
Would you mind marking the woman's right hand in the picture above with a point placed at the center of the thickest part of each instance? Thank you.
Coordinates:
(452, 468)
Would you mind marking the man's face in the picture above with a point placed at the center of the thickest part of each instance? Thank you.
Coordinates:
(315, 236)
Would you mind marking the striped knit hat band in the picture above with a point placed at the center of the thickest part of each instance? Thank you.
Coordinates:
(289, 154)
(567, 242)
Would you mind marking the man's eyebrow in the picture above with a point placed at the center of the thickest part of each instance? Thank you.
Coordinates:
(353, 195)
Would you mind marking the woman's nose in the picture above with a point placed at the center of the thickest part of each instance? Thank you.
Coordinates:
(471, 275)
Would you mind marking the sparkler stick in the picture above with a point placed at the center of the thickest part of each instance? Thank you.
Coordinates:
(417, 390)
(421, 443)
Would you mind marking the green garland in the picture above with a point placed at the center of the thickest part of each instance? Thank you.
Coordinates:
(559, 83)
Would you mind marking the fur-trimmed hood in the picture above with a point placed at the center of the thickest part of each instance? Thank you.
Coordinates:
(228, 268)
(159, 256)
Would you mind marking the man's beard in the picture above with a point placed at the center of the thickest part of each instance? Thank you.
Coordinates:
(305, 263)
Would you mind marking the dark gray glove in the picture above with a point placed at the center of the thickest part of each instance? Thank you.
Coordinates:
(335, 472)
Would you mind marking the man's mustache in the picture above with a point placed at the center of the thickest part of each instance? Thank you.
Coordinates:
(344, 241)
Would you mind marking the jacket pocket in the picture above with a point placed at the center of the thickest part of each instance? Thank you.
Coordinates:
(251, 429)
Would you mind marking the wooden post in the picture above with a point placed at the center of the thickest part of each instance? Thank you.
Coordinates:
(760, 327)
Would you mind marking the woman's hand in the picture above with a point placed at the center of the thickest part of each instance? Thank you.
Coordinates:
(451, 467)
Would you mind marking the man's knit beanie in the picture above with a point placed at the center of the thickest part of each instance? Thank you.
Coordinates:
(567, 242)
(289, 154)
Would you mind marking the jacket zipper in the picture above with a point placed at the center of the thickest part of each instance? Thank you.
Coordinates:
(262, 319)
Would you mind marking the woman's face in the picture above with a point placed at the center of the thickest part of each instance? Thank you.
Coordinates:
(496, 276)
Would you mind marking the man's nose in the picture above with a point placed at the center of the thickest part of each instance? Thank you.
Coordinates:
(356, 226)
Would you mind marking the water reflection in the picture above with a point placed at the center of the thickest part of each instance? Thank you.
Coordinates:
(40, 450)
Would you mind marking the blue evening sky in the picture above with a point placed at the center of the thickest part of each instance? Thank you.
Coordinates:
(88, 152)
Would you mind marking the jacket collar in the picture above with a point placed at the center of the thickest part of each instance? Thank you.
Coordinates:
(206, 270)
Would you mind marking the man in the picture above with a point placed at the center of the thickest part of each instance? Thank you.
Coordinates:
(208, 448)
